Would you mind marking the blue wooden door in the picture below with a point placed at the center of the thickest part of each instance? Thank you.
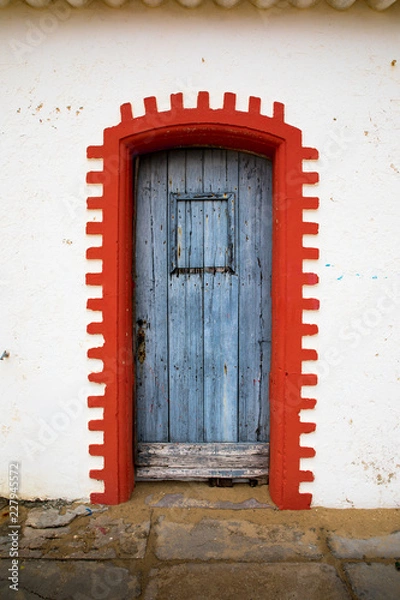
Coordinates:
(203, 270)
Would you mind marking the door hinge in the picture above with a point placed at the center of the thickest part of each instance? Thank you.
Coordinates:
(220, 482)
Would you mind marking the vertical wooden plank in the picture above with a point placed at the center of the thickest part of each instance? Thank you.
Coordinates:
(194, 234)
(181, 249)
(254, 296)
(220, 317)
(232, 177)
(265, 237)
(186, 305)
(151, 299)
(216, 246)
(195, 334)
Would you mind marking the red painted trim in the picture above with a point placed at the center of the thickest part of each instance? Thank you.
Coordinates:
(230, 128)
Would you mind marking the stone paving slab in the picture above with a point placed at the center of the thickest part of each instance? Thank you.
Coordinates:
(96, 537)
(387, 546)
(36, 543)
(70, 580)
(233, 540)
(40, 518)
(287, 581)
(181, 501)
(374, 581)
(109, 538)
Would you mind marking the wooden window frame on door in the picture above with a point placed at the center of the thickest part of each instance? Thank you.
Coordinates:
(202, 126)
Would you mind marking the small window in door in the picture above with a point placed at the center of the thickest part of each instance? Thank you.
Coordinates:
(202, 232)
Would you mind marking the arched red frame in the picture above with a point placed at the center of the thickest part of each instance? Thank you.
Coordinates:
(203, 126)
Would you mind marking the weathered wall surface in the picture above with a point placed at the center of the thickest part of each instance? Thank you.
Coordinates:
(64, 74)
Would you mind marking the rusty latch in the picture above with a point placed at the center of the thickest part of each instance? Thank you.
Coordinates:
(141, 341)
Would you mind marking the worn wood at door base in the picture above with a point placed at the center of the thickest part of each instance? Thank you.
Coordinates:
(175, 474)
(202, 461)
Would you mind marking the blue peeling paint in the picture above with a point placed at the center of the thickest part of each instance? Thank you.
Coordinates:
(339, 278)
(374, 276)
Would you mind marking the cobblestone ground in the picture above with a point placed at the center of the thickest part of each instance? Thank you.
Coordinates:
(192, 542)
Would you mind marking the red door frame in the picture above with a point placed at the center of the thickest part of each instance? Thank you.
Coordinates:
(202, 126)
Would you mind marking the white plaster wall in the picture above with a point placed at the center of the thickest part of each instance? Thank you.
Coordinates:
(64, 74)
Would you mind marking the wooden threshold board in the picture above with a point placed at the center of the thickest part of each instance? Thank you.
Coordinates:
(176, 461)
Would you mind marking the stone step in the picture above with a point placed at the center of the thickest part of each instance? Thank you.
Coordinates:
(233, 540)
(385, 546)
(374, 581)
(221, 581)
